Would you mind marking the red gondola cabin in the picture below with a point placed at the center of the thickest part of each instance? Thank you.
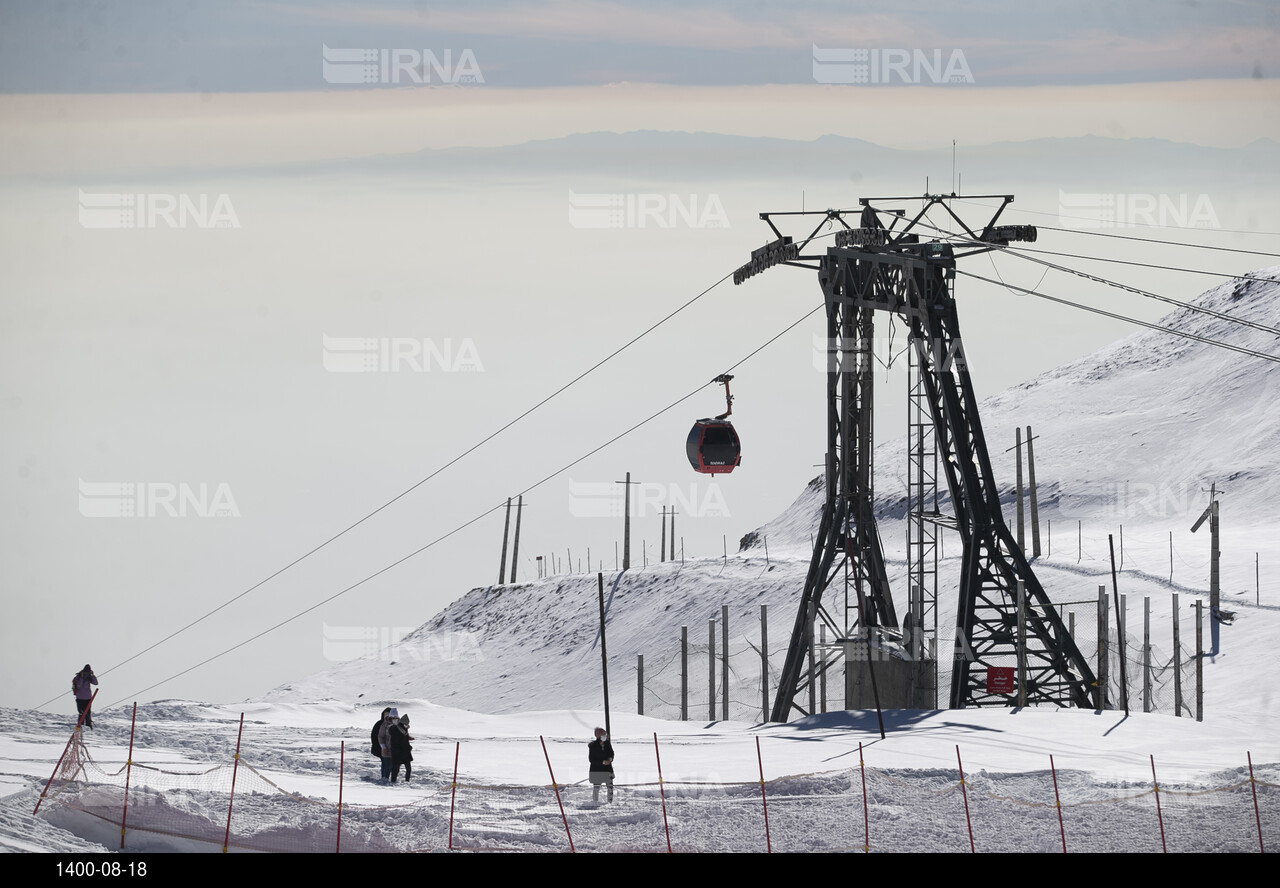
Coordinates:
(713, 447)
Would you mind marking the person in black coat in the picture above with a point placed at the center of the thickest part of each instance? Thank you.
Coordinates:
(401, 748)
(375, 742)
(600, 755)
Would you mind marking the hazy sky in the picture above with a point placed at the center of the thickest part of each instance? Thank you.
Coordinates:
(254, 47)
(198, 359)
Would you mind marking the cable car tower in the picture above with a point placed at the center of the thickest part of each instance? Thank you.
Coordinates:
(907, 271)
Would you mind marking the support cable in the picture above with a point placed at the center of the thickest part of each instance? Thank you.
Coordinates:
(415, 486)
(1189, 306)
(468, 523)
(1119, 317)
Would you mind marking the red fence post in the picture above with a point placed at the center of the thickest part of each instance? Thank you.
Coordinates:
(235, 769)
(453, 790)
(128, 772)
(1057, 802)
(866, 825)
(1159, 816)
(65, 750)
(559, 802)
(768, 844)
(342, 766)
(965, 792)
(662, 792)
(1253, 788)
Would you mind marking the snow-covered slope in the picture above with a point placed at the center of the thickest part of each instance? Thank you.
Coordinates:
(1134, 432)
(1121, 434)
(1126, 440)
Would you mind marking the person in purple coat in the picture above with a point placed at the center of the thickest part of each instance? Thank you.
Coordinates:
(82, 687)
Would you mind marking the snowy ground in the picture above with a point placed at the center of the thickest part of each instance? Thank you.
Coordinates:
(527, 657)
(1103, 762)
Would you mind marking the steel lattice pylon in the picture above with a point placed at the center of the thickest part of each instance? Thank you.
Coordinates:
(873, 268)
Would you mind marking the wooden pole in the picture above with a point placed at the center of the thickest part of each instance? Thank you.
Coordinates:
(453, 790)
(724, 662)
(506, 528)
(342, 766)
(764, 800)
(1022, 644)
(559, 801)
(1146, 653)
(866, 820)
(964, 791)
(822, 677)
(662, 792)
(124, 814)
(1177, 660)
(1253, 788)
(1104, 652)
(1124, 678)
(74, 734)
(235, 769)
(764, 663)
(515, 549)
(1155, 784)
(1021, 523)
(1215, 555)
(711, 669)
(604, 658)
(662, 547)
(1031, 485)
(1057, 803)
(684, 673)
(1199, 660)
(626, 521)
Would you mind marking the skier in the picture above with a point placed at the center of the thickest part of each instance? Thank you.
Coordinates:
(81, 686)
(600, 755)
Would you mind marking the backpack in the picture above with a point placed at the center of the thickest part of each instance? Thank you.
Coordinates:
(376, 747)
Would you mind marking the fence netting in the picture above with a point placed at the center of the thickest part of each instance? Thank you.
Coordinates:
(853, 809)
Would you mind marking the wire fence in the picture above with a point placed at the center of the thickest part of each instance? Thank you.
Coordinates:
(689, 683)
(234, 806)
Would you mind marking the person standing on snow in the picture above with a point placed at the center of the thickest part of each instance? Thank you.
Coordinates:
(401, 748)
(82, 687)
(375, 744)
(384, 742)
(600, 755)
